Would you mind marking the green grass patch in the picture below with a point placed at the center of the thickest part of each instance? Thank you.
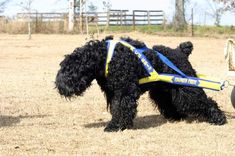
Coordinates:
(201, 31)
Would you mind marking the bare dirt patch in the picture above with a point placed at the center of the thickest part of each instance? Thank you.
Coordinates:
(35, 120)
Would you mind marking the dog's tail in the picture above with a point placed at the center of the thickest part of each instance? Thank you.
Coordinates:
(186, 48)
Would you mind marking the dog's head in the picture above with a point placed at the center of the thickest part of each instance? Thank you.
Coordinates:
(186, 48)
(79, 68)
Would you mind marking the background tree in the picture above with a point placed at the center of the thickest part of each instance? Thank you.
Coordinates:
(77, 5)
(92, 7)
(3, 3)
(219, 7)
(229, 5)
(179, 17)
(26, 5)
(107, 5)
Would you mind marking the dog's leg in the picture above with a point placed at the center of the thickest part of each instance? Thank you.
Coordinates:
(163, 100)
(123, 109)
(194, 101)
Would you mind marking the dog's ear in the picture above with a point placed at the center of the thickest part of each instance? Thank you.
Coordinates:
(126, 38)
(135, 43)
(110, 37)
(186, 47)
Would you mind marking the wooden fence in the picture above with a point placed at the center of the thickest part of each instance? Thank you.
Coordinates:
(113, 17)
(42, 16)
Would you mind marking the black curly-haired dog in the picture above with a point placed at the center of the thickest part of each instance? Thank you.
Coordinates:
(121, 86)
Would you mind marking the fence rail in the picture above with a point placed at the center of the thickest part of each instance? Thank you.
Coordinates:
(41, 16)
(113, 17)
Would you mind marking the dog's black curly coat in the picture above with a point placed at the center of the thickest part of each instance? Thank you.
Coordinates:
(121, 86)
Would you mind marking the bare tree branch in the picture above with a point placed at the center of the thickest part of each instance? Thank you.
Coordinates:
(218, 7)
(3, 4)
(26, 5)
(228, 5)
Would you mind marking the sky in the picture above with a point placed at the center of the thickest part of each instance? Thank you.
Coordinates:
(202, 9)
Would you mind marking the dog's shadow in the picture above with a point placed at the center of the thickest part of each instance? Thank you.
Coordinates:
(143, 122)
(7, 121)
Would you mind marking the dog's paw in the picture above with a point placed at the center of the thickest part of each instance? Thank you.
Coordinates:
(111, 127)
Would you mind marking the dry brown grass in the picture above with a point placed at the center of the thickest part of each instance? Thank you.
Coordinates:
(35, 120)
(21, 27)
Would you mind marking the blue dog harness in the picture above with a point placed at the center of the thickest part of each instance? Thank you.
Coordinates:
(181, 79)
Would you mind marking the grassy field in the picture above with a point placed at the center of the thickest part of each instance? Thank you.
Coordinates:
(60, 27)
(35, 120)
(169, 30)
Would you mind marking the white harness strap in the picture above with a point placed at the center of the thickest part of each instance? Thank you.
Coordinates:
(111, 47)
